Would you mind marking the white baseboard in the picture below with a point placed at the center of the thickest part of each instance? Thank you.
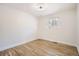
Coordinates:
(16, 44)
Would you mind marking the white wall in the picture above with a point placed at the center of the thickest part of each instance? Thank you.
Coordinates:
(65, 32)
(16, 27)
(78, 26)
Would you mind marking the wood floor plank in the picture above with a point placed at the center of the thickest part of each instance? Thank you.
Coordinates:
(41, 47)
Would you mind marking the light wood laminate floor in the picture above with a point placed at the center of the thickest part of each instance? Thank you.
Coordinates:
(41, 48)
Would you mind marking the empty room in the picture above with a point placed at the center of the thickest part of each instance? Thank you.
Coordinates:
(39, 29)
